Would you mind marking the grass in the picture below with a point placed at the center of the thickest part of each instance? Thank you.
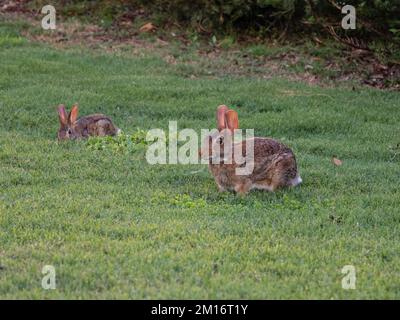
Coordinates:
(114, 226)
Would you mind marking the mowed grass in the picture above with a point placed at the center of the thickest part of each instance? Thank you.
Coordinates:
(114, 226)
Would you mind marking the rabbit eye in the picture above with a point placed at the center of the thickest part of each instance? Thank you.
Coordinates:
(69, 131)
(220, 140)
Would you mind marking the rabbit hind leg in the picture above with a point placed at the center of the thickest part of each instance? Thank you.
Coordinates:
(264, 185)
(103, 128)
(243, 187)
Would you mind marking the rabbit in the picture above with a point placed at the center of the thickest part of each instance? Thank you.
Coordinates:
(273, 164)
(91, 125)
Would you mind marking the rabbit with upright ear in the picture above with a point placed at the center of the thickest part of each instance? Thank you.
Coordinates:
(91, 125)
(273, 164)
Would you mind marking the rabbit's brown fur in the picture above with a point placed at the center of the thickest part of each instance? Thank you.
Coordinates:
(274, 163)
(91, 125)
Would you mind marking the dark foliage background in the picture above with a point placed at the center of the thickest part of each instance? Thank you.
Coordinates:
(375, 19)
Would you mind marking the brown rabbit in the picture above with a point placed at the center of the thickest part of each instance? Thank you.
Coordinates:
(273, 164)
(91, 125)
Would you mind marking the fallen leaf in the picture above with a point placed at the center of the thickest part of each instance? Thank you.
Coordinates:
(336, 161)
(148, 27)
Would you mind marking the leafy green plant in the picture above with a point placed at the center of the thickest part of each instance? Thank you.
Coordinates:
(123, 143)
(186, 201)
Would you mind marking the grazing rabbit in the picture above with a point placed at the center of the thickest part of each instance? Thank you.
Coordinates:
(273, 164)
(91, 125)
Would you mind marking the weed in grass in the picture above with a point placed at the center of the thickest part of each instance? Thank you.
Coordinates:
(128, 143)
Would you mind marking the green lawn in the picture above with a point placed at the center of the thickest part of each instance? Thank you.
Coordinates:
(114, 226)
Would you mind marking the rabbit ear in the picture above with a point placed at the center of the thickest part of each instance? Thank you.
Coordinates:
(62, 115)
(221, 110)
(73, 115)
(232, 120)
